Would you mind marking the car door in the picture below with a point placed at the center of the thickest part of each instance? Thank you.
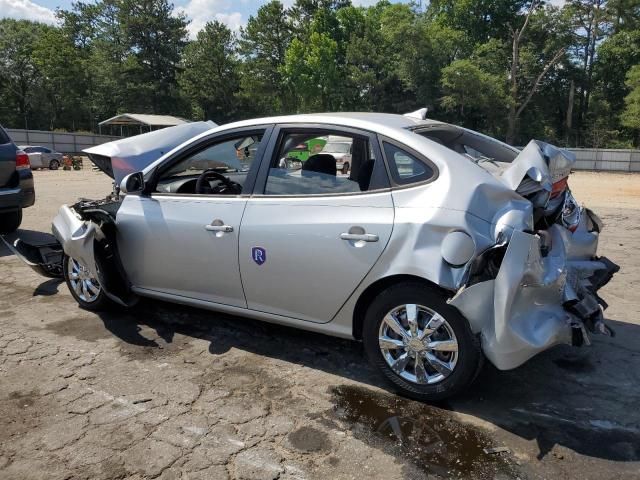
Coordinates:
(308, 237)
(46, 156)
(177, 242)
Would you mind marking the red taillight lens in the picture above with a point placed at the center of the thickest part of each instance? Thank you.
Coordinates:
(559, 187)
(22, 160)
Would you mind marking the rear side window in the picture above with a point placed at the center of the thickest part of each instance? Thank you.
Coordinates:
(406, 168)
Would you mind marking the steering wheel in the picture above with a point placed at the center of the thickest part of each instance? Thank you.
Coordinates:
(228, 186)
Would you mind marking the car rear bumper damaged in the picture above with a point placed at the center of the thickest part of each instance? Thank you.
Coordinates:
(544, 294)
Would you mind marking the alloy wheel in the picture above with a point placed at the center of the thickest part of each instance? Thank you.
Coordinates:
(418, 344)
(83, 283)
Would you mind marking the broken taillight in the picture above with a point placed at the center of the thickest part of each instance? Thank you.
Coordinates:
(22, 160)
(559, 187)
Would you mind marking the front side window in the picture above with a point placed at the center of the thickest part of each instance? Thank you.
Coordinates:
(309, 163)
(220, 168)
(406, 168)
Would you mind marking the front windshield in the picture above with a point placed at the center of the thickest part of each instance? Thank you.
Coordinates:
(225, 157)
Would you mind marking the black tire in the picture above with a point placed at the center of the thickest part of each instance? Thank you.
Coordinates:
(10, 221)
(101, 303)
(54, 165)
(345, 168)
(469, 355)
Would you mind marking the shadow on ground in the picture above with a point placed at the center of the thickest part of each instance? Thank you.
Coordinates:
(582, 399)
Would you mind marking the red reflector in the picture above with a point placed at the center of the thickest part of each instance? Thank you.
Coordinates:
(22, 160)
(559, 187)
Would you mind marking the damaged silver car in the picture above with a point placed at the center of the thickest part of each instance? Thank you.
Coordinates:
(440, 247)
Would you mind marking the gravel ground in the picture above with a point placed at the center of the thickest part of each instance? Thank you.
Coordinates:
(170, 392)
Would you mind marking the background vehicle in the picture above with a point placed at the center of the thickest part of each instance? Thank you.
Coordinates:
(340, 149)
(42, 157)
(16, 184)
(424, 253)
(303, 151)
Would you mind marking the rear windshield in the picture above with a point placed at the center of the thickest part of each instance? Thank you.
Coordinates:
(474, 146)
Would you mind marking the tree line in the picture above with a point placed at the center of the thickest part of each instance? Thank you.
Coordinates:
(513, 69)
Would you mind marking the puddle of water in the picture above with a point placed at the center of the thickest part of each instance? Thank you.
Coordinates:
(426, 436)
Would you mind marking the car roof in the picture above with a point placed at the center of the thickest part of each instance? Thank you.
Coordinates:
(366, 120)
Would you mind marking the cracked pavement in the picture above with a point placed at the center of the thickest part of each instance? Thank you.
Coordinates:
(163, 391)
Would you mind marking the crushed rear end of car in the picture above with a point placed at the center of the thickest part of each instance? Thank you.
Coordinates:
(537, 287)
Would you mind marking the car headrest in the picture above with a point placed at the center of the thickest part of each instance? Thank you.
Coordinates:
(320, 163)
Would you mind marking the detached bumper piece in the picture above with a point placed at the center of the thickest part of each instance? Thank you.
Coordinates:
(582, 301)
(44, 257)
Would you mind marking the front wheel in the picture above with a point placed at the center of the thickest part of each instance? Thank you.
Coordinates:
(424, 346)
(54, 165)
(345, 168)
(84, 287)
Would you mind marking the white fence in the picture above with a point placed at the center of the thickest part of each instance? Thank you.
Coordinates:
(606, 159)
(70, 143)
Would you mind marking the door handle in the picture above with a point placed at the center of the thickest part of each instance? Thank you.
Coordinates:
(357, 237)
(219, 228)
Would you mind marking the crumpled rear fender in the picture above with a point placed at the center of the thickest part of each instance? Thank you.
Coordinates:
(520, 313)
(536, 301)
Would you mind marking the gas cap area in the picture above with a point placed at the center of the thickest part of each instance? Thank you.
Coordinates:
(457, 248)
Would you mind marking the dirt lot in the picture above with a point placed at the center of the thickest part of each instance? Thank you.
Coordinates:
(169, 392)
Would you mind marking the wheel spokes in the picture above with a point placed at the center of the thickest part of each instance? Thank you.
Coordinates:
(421, 372)
(443, 346)
(77, 287)
(93, 288)
(395, 325)
(389, 343)
(434, 323)
(401, 363)
(412, 318)
(438, 365)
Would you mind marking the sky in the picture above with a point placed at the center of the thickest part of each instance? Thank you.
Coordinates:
(232, 12)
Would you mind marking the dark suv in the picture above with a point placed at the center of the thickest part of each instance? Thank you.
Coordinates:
(16, 184)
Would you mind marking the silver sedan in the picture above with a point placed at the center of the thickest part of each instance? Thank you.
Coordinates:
(43, 157)
(441, 247)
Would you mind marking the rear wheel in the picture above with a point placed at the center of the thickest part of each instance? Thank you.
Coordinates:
(84, 287)
(424, 346)
(54, 164)
(10, 221)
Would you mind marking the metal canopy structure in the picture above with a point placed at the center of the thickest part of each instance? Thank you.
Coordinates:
(135, 123)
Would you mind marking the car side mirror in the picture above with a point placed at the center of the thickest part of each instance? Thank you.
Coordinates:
(132, 183)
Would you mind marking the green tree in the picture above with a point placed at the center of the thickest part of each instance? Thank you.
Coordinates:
(474, 94)
(209, 77)
(155, 37)
(630, 116)
(263, 44)
(64, 79)
(311, 72)
(20, 78)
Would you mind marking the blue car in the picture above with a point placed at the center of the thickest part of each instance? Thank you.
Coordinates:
(16, 184)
